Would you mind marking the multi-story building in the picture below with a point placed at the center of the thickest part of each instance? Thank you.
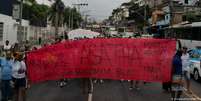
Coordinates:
(9, 27)
(151, 3)
(186, 2)
(166, 14)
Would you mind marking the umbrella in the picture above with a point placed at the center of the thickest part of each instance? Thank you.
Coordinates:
(82, 33)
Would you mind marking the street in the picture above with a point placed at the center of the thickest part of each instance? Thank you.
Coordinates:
(148, 40)
(108, 91)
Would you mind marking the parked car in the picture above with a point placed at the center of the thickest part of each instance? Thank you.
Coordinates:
(195, 63)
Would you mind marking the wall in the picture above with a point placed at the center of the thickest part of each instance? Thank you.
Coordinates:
(10, 28)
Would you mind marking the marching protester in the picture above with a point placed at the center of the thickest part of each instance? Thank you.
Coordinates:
(62, 82)
(177, 77)
(15, 48)
(6, 77)
(87, 85)
(98, 81)
(166, 86)
(7, 46)
(19, 77)
(185, 67)
(39, 40)
(27, 45)
(135, 84)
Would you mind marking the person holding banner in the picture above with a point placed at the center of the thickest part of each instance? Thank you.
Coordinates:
(166, 86)
(87, 84)
(136, 85)
(177, 77)
(19, 77)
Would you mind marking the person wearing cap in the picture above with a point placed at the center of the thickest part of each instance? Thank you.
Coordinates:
(185, 67)
(6, 77)
(19, 77)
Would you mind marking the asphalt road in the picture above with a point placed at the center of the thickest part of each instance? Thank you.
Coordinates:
(108, 91)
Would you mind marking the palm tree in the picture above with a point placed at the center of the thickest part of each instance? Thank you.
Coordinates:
(57, 15)
(72, 15)
(35, 13)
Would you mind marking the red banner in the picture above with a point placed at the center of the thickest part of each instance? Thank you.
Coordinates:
(129, 59)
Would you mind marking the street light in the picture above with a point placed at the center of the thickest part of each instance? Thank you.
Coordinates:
(78, 6)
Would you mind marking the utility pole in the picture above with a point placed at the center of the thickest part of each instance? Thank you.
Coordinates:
(86, 20)
(171, 15)
(72, 26)
(20, 19)
(56, 23)
(79, 5)
(85, 15)
(21, 10)
(69, 20)
(145, 16)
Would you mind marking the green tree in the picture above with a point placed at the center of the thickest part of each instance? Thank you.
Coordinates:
(39, 15)
(192, 17)
(67, 16)
(31, 1)
(71, 15)
(136, 13)
(56, 14)
(35, 13)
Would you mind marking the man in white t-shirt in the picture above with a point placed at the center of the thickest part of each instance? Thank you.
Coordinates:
(185, 67)
(7, 46)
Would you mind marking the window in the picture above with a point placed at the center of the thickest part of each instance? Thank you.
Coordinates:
(1, 31)
(186, 1)
(21, 33)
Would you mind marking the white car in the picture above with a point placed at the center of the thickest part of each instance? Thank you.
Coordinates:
(195, 64)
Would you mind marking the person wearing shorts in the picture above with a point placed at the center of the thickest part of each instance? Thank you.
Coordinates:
(177, 77)
(185, 67)
(19, 78)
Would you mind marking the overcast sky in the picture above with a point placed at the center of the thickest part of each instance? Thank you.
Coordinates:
(97, 9)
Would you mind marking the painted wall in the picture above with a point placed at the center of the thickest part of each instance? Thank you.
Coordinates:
(10, 27)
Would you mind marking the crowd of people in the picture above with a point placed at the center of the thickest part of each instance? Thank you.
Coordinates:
(13, 71)
(14, 81)
(180, 75)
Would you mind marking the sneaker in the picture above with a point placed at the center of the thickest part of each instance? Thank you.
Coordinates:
(101, 81)
(64, 83)
(137, 88)
(130, 88)
(61, 84)
(95, 81)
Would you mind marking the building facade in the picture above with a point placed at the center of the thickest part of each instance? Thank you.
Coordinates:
(9, 27)
(151, 3)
